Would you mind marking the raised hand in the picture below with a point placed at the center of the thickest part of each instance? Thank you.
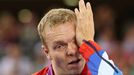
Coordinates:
(85, 23)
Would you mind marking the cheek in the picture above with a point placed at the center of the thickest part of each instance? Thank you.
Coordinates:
(60, 60)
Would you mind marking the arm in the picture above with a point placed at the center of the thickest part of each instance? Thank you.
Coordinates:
(97, 59)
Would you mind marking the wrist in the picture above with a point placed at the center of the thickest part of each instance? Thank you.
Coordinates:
(88, 48)
(81, 42)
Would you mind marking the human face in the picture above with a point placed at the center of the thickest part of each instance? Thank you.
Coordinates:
(62, 50)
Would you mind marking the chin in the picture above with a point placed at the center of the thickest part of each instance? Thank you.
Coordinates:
(75, 72)
(76, 69)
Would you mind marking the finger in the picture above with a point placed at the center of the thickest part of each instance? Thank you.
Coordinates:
(76, 12)
(82, 6)
(89, 9)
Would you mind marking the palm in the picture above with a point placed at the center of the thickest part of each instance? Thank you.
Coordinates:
(85, 24)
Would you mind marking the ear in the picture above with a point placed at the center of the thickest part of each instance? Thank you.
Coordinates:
(46, 51)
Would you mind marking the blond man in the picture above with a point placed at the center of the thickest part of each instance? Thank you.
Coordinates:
(68, 42)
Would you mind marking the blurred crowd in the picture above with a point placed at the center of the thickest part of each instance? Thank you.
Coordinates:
(20, 46)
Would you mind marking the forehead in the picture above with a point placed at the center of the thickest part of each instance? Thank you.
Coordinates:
(63, 31)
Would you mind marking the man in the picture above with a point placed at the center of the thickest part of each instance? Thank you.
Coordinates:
(68, 42)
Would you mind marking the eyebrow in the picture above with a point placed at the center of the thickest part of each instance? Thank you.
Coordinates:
(59, 42)
(62, 41)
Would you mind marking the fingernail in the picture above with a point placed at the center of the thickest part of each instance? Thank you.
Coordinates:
(76, 9)
(88, 3)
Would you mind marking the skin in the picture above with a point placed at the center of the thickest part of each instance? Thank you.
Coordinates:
(62, 49)
(85, 24)
(63, 41)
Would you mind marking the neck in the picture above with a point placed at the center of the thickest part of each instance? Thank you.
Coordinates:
(57, 71)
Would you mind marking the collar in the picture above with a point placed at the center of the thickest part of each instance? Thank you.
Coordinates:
(50, 71)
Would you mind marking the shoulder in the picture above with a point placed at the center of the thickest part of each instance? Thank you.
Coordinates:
(41, 72)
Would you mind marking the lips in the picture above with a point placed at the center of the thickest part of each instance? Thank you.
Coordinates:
(74, 61)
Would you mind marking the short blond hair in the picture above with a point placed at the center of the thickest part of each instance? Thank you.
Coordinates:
(55, 17)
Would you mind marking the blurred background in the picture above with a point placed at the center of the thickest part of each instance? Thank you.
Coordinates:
(20, 46)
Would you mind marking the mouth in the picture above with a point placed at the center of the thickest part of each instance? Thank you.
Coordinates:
(75, 61)
(75, 65)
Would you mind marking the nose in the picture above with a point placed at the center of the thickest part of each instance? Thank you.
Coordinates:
(72, 49)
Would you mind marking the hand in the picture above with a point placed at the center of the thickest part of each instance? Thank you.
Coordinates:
(85, 24)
